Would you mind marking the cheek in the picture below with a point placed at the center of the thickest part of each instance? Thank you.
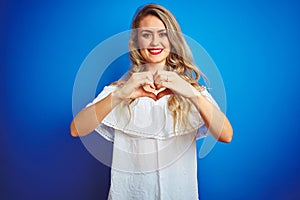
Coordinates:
(143, 43)
(166, 44)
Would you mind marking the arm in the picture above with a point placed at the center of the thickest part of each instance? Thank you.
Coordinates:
(214, 119)
(89, 118)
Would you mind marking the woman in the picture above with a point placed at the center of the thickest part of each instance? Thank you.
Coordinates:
(155, 114)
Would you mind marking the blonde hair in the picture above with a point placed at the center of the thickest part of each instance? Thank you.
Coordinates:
(180, 59)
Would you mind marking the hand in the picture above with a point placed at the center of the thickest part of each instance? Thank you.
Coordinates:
(174, 83)
(133, 88)
(160, 92)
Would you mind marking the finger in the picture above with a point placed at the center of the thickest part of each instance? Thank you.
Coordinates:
(150, 95)
(157, 82)
(163, 93)
(166, 77)
(150, 78)
(143, 81)
(155, 75)
(158, 74)
(146, 78)
(140, 77)
(162, 82)
(148, 88)
(166, 84)
(158, 86)
(149, 81)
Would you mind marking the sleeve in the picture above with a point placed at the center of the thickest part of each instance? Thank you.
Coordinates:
(203, 131)
(105, 131)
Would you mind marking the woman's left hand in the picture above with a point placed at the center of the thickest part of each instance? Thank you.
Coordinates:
(172, 81)
(212, 116)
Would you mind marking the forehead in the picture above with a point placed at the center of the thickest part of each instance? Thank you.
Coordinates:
(151, 22)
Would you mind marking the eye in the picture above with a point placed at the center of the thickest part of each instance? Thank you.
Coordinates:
(146, 35)
(163, 34)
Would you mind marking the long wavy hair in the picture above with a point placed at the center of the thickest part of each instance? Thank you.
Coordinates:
(180, 59)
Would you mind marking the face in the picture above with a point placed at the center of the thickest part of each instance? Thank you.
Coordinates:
(153, 40)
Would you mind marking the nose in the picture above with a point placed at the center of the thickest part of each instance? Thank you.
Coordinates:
(155, 40)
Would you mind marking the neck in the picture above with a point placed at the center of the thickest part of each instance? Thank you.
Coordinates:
(154, 67)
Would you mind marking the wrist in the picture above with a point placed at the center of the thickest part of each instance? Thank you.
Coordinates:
(117, 97)
(197, 97)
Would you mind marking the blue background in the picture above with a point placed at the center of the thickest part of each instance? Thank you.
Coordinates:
(255, 45)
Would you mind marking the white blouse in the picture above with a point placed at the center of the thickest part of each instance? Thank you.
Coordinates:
(152, 159)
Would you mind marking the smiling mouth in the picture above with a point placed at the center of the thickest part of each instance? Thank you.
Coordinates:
(155, 51)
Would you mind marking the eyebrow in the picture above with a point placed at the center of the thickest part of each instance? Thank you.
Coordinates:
(150, 31)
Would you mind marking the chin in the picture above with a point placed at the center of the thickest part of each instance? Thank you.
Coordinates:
(157, 60)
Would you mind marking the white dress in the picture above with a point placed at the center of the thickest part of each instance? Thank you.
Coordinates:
(152, 160)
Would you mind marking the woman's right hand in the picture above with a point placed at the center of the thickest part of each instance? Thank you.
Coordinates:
(133, 88)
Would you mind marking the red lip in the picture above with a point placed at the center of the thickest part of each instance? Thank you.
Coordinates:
(155, 51)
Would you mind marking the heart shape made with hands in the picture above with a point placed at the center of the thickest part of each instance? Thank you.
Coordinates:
(159, 92)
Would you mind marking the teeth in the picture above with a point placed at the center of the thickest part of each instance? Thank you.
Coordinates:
(155, 50)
